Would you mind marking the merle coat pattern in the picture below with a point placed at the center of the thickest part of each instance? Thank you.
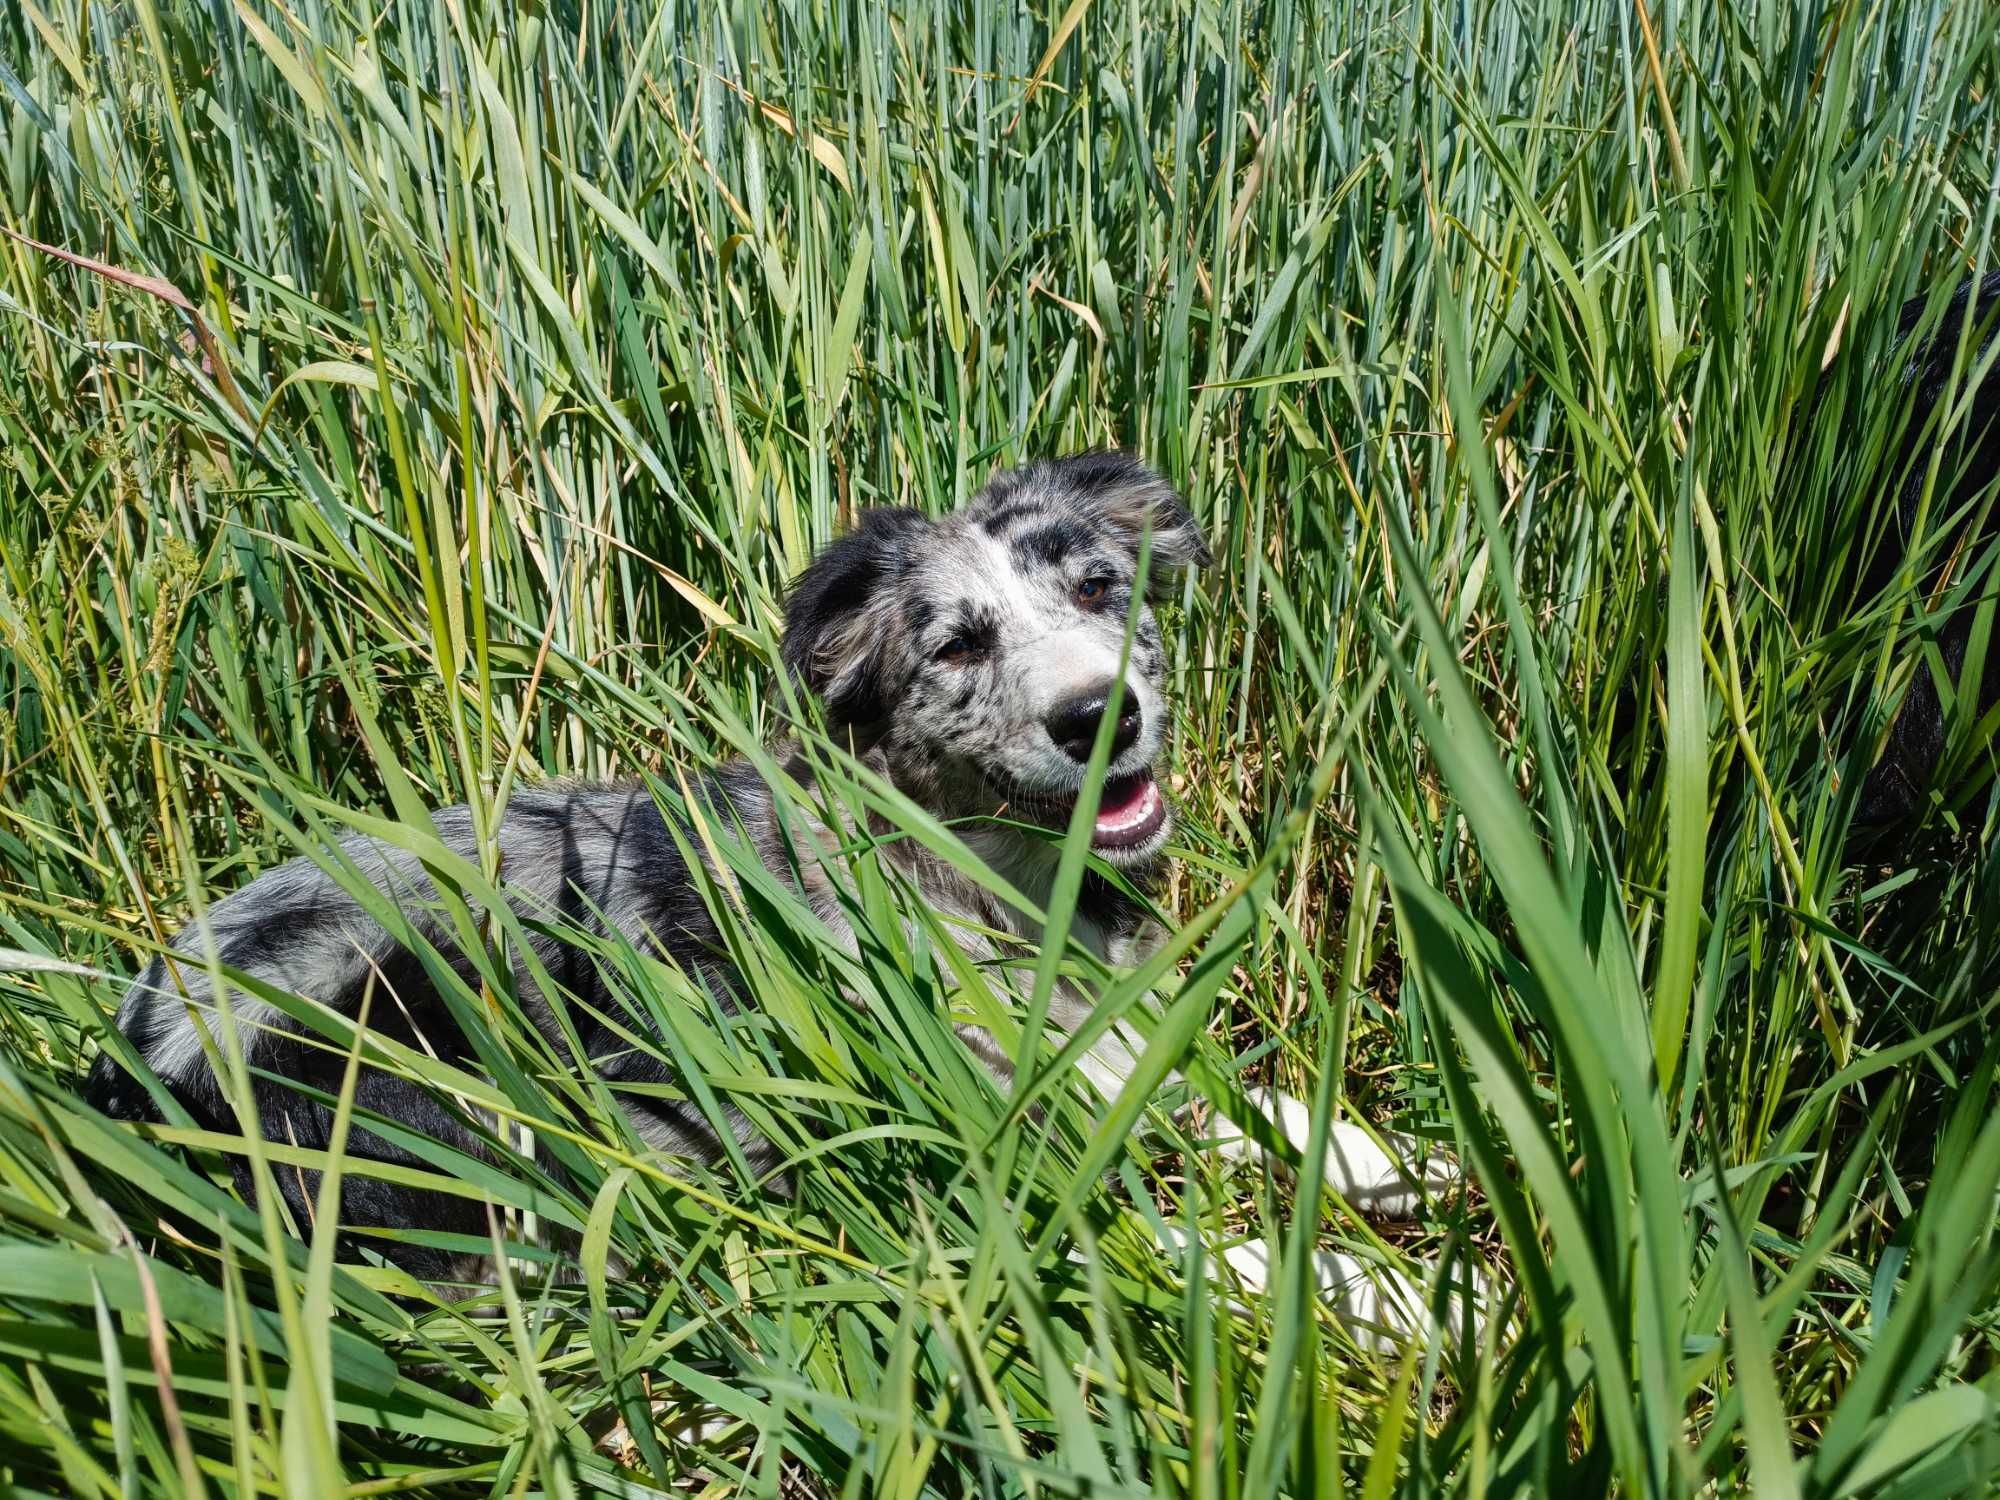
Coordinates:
(968, 659)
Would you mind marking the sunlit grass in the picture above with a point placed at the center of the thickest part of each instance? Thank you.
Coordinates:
(521, 358)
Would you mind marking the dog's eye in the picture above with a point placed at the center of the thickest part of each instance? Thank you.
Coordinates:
(955, 652)
(1093, 589)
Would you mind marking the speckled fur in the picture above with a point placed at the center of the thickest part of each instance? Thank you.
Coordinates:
(961, 732)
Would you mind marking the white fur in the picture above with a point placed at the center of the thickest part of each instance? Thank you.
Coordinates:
(1358, 1169)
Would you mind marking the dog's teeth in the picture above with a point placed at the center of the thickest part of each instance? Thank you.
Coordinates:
(1143, 809)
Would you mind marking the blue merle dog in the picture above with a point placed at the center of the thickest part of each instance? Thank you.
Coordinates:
(970, 660)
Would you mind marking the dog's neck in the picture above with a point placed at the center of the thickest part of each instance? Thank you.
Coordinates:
(1107, 921)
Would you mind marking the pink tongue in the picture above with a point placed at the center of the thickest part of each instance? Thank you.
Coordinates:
(1115, 812)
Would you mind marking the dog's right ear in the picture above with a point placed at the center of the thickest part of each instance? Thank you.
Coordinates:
(1133, 500)
(833, 627)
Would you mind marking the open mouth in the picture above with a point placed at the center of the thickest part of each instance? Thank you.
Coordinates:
(1129, 811)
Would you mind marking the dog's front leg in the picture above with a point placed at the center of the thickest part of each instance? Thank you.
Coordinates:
(1381, 1305)
(1388, 1183)
(1386, 1178)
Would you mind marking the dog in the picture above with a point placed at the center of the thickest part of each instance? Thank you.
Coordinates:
(971, 661)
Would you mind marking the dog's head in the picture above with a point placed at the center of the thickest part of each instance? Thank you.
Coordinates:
(976, 654)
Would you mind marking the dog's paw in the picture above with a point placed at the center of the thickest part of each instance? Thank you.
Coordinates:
(686, 1424)
(1381, 1307)
(1388, 1183)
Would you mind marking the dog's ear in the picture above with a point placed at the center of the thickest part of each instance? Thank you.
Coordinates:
(1132, 499)
(833, 628)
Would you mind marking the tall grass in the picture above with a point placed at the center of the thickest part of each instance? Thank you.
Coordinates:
(453, 389)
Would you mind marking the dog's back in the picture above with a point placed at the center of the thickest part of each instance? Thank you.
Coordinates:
(584, 858)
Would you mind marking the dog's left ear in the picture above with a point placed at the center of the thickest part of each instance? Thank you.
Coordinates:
(1132, 500)
(833, 636)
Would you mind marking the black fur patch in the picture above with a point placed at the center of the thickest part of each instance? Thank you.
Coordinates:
(996, 522)
(1101, 468)
(841, 583)
(1122, 494)
(977, 627)
(1049, 544)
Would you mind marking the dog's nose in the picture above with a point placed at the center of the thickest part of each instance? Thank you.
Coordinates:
(1072, 724)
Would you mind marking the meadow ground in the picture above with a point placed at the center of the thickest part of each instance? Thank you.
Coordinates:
(450, 393)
